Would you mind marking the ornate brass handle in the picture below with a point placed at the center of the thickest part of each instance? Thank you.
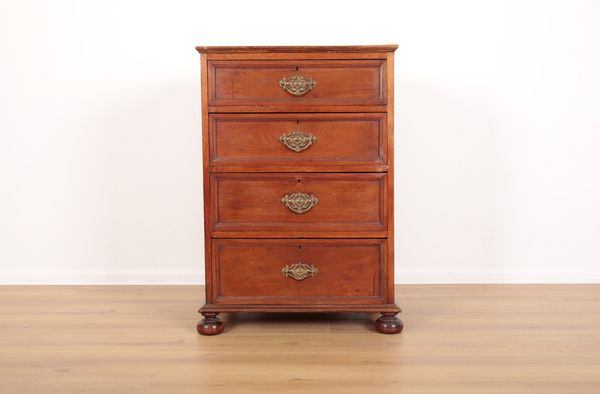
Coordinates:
(299, 271)
(297, 140)
(299, 202)
(297, 85)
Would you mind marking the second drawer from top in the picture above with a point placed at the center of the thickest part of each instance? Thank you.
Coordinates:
(297, 140)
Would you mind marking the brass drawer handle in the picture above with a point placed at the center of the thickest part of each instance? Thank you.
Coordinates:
(299, 202)
(297, 140)
(299, 271)
(297, 85)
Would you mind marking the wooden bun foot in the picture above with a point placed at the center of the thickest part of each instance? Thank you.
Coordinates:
(388, 323)
(210, 325)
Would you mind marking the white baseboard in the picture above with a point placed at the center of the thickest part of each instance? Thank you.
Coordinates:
(494, 278)
(197, 277)
(103, 278)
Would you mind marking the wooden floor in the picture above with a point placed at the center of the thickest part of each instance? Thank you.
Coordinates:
(457, 339)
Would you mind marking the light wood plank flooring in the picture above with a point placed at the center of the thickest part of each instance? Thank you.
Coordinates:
(457, 339)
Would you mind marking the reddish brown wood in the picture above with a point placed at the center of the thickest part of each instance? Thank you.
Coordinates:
(253, 201)
(299, 233)
(339, 82)
(292, 107)
(249, 234)
(297, 56)
(297, 49)
(341, 139)
(388, 323)
(300, 308)
(208, 269)
(250, 271)
(210, 325)
(288, 166)
(390, 186)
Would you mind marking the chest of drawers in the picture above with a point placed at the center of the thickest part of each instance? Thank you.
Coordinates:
(298, 181)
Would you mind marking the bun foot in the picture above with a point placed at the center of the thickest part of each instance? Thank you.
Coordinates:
(210, 325)
(388, 323)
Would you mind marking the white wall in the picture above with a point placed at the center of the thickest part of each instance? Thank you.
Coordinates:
(497, 137)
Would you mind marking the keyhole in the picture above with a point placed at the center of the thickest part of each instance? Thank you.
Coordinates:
(298, 180)
(299, 246)
(296, 68)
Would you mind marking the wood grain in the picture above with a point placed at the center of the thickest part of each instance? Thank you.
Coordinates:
(298, 49)
(390, 186)
(253, 140)
(253, 201)
(339, 82)
(247, 172)
(294, 107)
(249, 271)
(504, 339)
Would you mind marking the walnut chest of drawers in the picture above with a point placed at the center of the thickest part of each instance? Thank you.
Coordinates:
(298, 181)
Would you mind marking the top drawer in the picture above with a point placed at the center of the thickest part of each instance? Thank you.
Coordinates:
(303, 83)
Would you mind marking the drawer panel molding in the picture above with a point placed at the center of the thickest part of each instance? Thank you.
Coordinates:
(298, 139)
(300, 82)
(275, 201)
(294, 271)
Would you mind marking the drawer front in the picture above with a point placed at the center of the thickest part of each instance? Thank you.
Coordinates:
(306, 82)
(298, 271)
(238, 139)
(298, 201)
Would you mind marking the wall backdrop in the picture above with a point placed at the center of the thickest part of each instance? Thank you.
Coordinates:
(497, 133)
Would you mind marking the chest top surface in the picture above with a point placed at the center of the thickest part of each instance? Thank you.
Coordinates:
(296, 49)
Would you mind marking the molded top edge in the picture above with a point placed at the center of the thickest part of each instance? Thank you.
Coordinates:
(292, 49)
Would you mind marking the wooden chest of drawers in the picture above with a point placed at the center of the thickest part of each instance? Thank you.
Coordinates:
(298, 181)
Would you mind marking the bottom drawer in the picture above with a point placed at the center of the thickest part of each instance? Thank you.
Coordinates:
(298, 271)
